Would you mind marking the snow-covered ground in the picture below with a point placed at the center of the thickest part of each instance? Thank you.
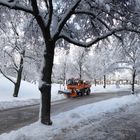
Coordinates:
(70, 125)
(29, 93)
(67, 125)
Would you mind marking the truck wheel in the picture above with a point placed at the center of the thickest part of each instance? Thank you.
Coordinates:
(88, 91)
(80, 94)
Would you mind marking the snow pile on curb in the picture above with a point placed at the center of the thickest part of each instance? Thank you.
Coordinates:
(70, 120)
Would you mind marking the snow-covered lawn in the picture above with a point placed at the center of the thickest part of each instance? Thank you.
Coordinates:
(29, 93)
(110, 88)
(67, 124)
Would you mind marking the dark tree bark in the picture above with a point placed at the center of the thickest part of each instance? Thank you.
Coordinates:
(95, 82)
(133, 82)
(45, 87)
(104, 81)
(19, 76)
(80, 73)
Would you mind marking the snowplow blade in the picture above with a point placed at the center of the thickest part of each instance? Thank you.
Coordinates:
(64, 91)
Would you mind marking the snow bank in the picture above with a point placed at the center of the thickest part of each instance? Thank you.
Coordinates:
(28, 94)
(70, 121)
(110, 88)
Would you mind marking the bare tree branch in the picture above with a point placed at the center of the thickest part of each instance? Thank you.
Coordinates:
(6, 76)
(12, 59)
(14, 28)
(46, 3)
(50, 12)
(38, 17)
(15, 6)
(14, 68)
(128, 68)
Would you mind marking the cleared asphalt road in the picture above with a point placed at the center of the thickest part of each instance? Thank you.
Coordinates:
(15, 118)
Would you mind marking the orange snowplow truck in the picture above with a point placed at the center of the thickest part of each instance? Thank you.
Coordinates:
(76, 88)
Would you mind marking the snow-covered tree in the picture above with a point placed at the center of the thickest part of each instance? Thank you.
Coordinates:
(60, 69)
(14, 53)
(100, 61)
(16, 50)
(130, 57)
(79, 60)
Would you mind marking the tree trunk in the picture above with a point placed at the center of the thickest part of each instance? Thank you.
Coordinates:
(95, 82)
(64, 82)
(45, 87)
(104, 81)
(133, 82)
(16, 89)
(19, 76)
(80, 74)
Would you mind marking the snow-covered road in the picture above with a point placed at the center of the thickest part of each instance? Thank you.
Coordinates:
(15, 118)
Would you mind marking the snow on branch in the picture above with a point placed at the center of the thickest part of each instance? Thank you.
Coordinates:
(66, 17)
(121, 62)
(116, 66)
(97, 39)
(95, 16)
(15, 6)
(128, 68)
